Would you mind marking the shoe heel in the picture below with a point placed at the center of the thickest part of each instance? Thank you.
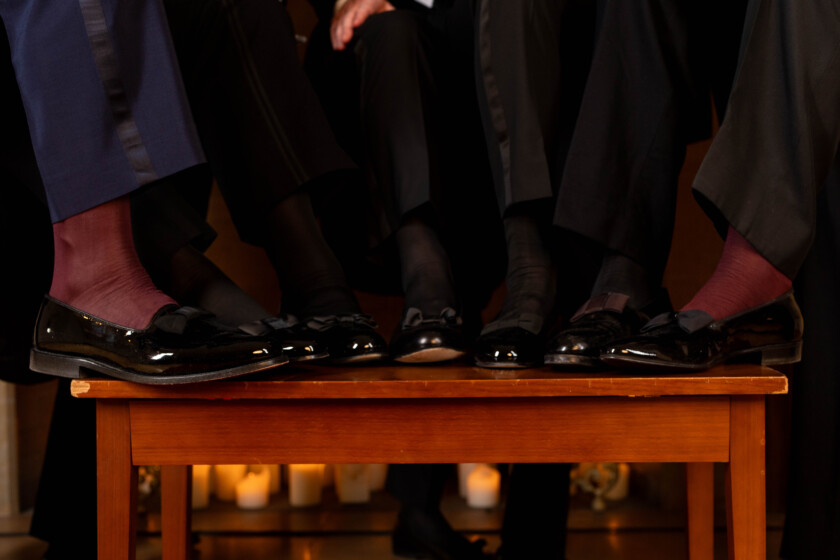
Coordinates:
(780, 355)
(51, 364)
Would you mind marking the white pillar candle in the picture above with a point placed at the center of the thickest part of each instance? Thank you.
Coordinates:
(200, 486)
(621, 487)
(226, 478)
(273, 473)
(464, 470)
(253, 490)
(352, 484)
(483, 485)
(377, 473)
(305, 484)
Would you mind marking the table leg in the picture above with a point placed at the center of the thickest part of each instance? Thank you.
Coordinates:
(116, 482)
(176, 510)
(746, 515)
(700, 479)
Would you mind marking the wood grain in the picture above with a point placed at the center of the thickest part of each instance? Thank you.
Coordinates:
(448, 381)
(700, 479)
(116, 482)
(431, 430)
(745, 481)
(176, 510)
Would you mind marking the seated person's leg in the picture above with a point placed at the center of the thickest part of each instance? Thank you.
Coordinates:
(93, 147)
(268, 142)
(760, 187)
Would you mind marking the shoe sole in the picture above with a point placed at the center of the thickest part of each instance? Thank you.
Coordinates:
(572, 360)
(310, 358)
(771, 355)
(430, 355)
(359, 359)
(79, 367)
(504, 365)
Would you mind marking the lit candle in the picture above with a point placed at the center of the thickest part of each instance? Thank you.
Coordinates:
(483, 485)
(305, 483)
(273, 473)
(352, 484)
(226, 478)
(621, 487)
(200, 486)
(464, 470)
(377, 473)
(252, 491)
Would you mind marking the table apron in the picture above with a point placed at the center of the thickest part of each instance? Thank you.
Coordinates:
(493, 430)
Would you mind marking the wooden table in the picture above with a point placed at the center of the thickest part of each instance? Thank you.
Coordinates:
(444, 414)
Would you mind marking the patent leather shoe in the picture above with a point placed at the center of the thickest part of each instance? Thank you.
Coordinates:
(420, 339)
(180, 345)
(600, 322)
(770, 334)
(515, 343)
(299, 342)
(427, 535)
(349, 338)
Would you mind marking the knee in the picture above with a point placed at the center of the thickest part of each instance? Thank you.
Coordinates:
(389, 34)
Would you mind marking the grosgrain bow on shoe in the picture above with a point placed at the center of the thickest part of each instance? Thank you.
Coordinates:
(421, 339)
(692, 340)
(298, 341)
(180, 345)
(349, 338)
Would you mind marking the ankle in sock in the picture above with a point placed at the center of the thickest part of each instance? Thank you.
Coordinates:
(97, 269)
(743, 279)
(426, 274)
(311, 277)
(621, 274)
(531, 276)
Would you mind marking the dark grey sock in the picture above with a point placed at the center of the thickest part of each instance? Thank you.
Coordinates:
(623, 275)
(311, 277)
(196, 281)
(426, 275)
(531, 276)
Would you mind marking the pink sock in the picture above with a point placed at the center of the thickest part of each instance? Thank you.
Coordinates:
(742, 279)
(97, 269)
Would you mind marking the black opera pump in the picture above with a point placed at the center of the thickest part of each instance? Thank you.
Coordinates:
(349, 338)
(420, 339)
(770, 334)
(299, 342)
(599, 323)
(181, 345)
(513, 343)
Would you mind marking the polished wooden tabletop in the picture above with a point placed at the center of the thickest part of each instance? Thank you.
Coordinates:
(458, 380)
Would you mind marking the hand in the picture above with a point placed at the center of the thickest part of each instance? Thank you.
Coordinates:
(349, 15)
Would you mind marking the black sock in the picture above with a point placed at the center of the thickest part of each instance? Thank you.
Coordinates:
(531, 278)
(195, 280)
(426, 275)
(623, 275)
(311, 277)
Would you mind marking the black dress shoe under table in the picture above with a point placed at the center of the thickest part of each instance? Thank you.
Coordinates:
(421, 339)
(425, 535)
(770, 334)
(181, 345)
